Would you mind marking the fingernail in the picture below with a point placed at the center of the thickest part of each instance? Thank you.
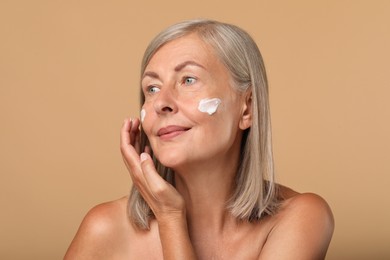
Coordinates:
(143, 157)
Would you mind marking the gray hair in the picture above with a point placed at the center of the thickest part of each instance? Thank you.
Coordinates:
(255, 192)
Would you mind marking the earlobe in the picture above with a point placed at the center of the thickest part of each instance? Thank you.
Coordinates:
(246, 114)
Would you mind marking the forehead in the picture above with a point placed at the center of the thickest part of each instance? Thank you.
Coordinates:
(186, 48)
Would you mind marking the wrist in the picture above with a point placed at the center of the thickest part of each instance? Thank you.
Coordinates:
(174, 236)
(172, 219)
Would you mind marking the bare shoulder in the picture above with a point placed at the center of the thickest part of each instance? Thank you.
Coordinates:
(308, 213)
(103, 217)
(302, 228)
(101, 232)
(308, 204)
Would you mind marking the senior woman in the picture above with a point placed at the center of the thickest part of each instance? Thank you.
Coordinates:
(200, 158)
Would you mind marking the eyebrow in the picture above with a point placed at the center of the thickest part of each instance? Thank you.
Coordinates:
(151, 74)
(179, 67)
(187, 63)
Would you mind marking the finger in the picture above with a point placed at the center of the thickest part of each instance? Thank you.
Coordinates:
(134, 131)
(156, 184)
(161, 196)
(129, 132)
(124, 134)
(141, 184)
(129, 154)
(137, 142)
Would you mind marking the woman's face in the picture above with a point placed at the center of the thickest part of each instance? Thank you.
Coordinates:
(191, 114)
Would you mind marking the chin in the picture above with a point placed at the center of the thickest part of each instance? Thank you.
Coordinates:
(170, 160)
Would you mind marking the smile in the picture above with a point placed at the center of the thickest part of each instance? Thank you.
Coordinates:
(172, 131)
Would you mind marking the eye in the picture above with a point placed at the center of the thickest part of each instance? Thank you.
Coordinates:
(189, 81)
(153, 89)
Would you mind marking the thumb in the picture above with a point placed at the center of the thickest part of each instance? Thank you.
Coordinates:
(155, 182)
(165, 197)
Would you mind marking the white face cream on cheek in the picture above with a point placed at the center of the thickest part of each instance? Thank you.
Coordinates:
(143, 114)
(209, 105)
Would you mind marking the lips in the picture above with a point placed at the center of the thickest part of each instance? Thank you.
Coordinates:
(171, 131)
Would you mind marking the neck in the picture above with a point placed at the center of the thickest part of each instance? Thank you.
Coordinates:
(206, 190)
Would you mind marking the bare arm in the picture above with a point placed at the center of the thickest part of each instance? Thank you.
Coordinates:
(303, 230)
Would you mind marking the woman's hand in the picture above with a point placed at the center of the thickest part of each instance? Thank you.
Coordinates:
(166, 203)
(164, 200)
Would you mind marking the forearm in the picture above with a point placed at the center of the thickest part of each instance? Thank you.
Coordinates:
(175, 240)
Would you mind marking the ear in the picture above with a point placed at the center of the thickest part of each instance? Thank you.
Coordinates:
(246, 111)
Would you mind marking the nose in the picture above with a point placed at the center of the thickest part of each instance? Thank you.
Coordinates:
(165, 102)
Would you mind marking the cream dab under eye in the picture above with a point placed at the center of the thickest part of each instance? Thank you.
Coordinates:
(209, 105)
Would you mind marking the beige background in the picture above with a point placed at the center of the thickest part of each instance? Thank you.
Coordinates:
(69, 75)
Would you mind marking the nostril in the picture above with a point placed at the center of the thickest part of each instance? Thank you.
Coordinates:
(167, 109)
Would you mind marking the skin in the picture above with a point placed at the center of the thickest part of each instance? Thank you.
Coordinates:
(191, 221)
